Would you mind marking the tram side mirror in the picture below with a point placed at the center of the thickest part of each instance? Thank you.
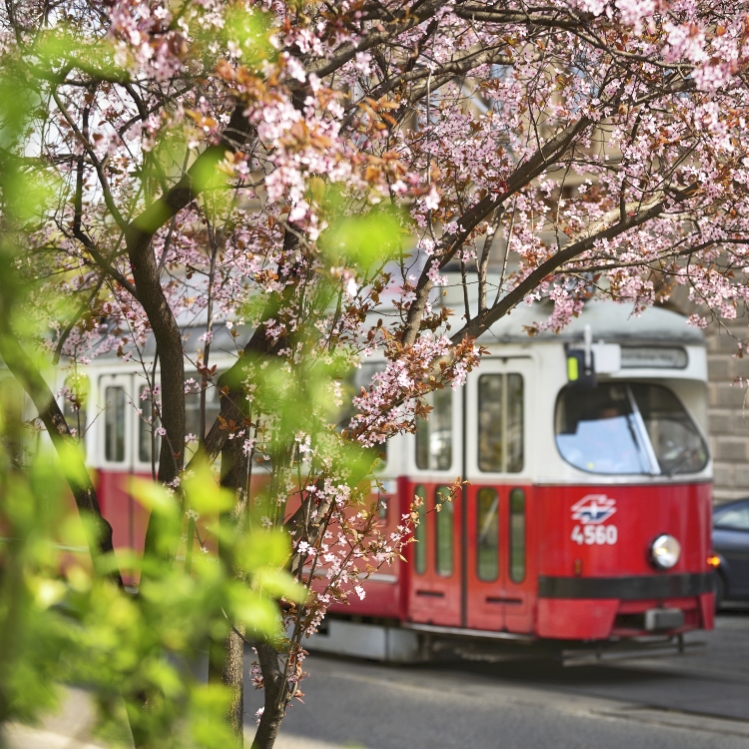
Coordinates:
(583, 363)
(581, 373)
(599, 358)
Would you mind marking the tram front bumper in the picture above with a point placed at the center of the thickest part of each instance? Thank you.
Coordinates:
(601, 608)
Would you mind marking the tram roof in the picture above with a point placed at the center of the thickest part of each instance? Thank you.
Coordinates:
(609, 321)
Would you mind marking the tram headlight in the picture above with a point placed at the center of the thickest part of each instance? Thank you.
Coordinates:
(665, 552)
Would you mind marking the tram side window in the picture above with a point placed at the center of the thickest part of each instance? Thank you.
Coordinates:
(420, 534)
(149, 443)
(434, 436)
(487, 534)
(517, 535)
(77, 388)
(500, 423)
(192, 416)
(514, 426)
(362, 377)
(114, 424)
(382, 507)
(444, 527)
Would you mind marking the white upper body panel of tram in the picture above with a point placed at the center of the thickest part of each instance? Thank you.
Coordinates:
(519, 420)
(516, 420)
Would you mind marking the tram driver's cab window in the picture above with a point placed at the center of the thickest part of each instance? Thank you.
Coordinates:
(500, 423)
(628, 428)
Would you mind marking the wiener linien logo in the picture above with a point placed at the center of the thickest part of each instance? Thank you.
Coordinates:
(593, 509)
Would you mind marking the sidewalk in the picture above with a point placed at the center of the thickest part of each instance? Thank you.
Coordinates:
(25, 737)
(71, 729)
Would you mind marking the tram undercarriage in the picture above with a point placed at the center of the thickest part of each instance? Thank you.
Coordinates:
(390, 642)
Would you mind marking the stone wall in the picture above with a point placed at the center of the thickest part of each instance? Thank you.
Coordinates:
(728, 412)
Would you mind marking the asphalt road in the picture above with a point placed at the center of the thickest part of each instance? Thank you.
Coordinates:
(693, 701)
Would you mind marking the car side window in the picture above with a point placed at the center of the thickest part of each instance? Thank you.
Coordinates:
(733, 518)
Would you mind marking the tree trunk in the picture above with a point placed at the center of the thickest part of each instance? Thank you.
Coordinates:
(275, 698)
(226, 666)
(226, 661)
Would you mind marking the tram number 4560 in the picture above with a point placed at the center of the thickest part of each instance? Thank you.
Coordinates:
(595, 535)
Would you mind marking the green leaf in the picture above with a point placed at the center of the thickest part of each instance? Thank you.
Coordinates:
(72, 462)
(203, 491)
(366, 241)
(256, 612)
(153, 497)
(207, 703)
(251, 31)
(47, 592)
(279, 584)
(165, 677)
(271, 548)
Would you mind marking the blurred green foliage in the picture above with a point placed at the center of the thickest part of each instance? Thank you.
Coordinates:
(366, 241)
(141, 653)
(60, 624)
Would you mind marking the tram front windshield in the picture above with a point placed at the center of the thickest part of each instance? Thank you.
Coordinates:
(628, 428)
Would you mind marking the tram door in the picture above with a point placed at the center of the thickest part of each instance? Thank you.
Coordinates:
(433, 463)
(122, 450)
(500, 571)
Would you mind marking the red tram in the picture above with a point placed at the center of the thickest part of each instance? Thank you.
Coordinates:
(587, 516)
(587, 512)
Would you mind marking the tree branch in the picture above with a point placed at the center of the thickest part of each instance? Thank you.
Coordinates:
(481, 323)
(526, 172)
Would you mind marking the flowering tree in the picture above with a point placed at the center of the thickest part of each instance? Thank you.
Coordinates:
(299, 169)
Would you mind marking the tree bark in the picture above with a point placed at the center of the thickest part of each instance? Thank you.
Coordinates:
(226, 662)
(226, 666)
(275, 699)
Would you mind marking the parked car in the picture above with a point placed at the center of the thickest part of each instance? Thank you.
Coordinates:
(731, 546)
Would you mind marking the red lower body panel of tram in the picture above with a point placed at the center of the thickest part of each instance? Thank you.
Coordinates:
(555, 562)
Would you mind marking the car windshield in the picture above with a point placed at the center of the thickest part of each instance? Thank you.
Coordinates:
(735, 517)
(628, 428)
